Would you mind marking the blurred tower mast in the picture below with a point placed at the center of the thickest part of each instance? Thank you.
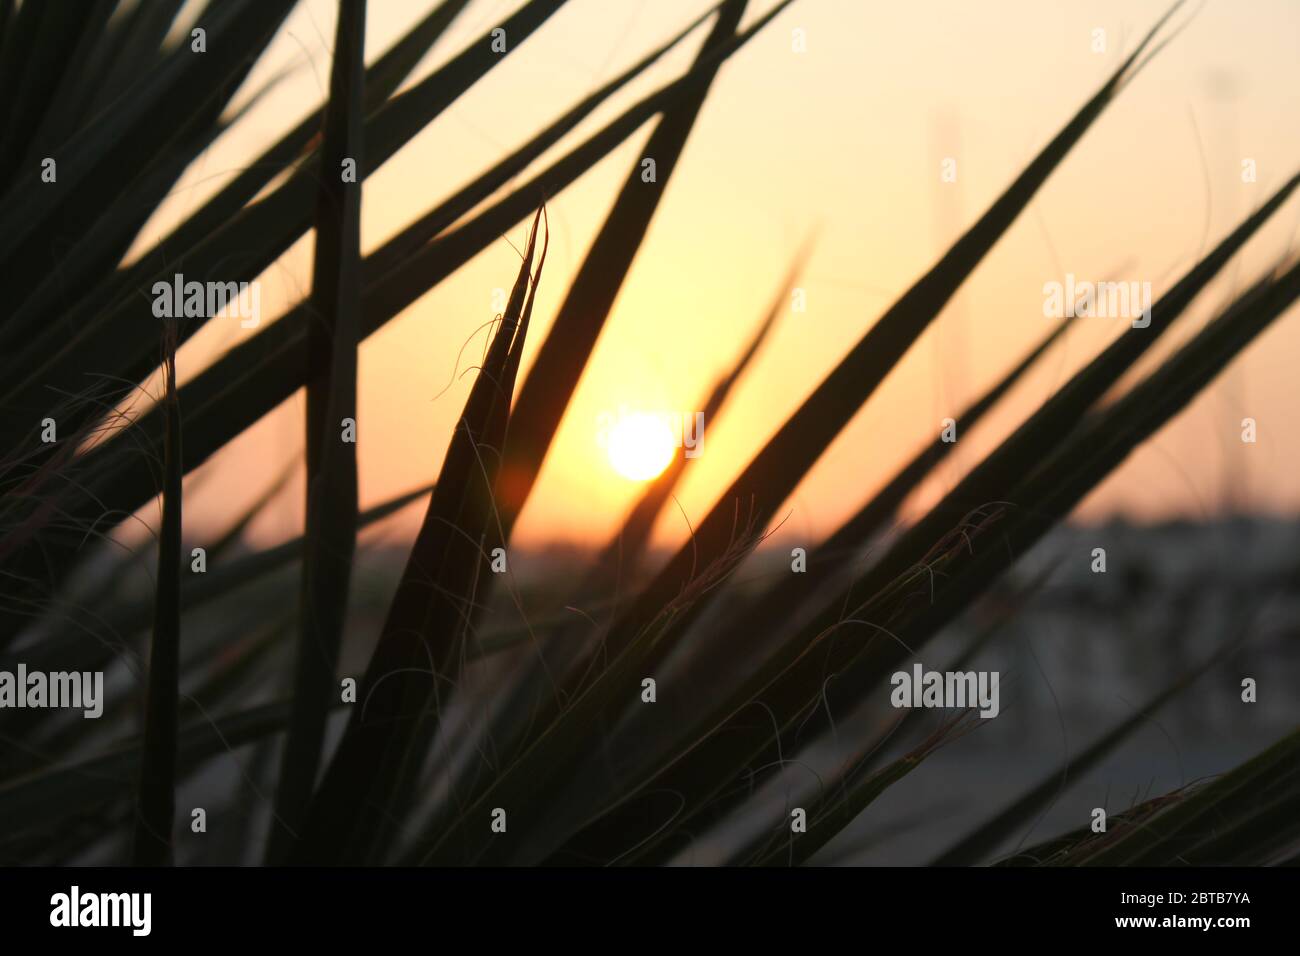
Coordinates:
(1224, 162)
(950, 340)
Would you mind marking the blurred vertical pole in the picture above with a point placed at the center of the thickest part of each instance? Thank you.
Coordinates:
(949, 332)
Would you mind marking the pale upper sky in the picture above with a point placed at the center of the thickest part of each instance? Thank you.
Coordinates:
(846, 138)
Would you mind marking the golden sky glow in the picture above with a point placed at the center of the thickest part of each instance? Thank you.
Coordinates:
(847, 138)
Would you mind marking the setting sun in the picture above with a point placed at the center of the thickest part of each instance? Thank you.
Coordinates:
(641, 446)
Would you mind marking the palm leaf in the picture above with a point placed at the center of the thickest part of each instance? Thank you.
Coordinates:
(331, 521)
(368, 778)
(157, 797)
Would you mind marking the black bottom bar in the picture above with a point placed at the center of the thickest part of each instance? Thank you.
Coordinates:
(368, 906)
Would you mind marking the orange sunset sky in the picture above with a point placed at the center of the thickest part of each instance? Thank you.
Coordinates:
(845, 139)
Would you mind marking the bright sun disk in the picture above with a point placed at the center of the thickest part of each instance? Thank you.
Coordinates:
(641, 446)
